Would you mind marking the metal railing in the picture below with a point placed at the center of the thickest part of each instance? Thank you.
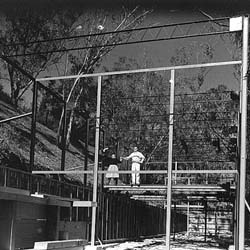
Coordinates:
(15, 178)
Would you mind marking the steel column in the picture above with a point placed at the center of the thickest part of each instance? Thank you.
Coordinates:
(243, 151)
(236, 211)
(188, 214)
(86, 151)
(205, 226)
(170, 153)
(33, 125)
(95, 184)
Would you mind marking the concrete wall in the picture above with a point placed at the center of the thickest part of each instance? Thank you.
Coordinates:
(23, 223)
(72, 230)
(30, 224)
(6, 224)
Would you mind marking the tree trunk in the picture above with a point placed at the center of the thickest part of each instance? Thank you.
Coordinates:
(12, 84)
(59, 131)
(72, 118)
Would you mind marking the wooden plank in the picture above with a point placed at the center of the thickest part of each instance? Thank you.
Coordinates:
(61, 203)
(61, 244)
(54, 197)
(20, 197)
(84, 204)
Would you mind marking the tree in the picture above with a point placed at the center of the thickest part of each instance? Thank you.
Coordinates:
(203, 125)
(192, 54)
(87, 61)
(23, 26)
(135, 110)
(49, 107)
(203, 118)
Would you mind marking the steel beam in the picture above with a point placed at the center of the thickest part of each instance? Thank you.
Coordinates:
(215, 21)
(24, 72)
(33, 125)
(124, 72)
(243, 143)
(141, 35)
(15, 117)
(176, 188)
(218, 171)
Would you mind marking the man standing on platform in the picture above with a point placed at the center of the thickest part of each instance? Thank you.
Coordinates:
(137, 159)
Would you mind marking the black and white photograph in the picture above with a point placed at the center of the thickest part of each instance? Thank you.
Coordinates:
(124, 125)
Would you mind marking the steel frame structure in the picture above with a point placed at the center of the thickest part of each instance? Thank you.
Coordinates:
(155, 33)
(169, 170)
(239, 236)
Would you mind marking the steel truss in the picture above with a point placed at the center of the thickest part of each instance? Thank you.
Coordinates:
(217, 26)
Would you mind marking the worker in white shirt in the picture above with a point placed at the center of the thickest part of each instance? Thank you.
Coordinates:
(137, 159)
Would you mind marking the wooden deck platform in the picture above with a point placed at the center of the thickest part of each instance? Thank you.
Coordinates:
(177, 189)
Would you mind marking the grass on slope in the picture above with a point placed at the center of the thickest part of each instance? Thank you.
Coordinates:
(15, 144)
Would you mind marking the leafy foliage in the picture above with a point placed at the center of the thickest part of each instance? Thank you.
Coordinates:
(23, 26)
(134, 106)
(135, 111)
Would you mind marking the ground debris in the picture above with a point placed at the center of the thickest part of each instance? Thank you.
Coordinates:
(181, 242)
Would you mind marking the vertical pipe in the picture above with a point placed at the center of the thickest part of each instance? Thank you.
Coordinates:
(170, 151)
(174, 220)
(237, 194)
(58, 211)
(86, 151)
(106, 217)
(188, 212)
(175, 176)
(71, 210)
(13, 226)
(243, 151)
(64, 135)
(236, 212)
(205, 227)
(88, 194)
(97, 133)
(103, 146)
(215, 222)
(33, 125)
(5, 177)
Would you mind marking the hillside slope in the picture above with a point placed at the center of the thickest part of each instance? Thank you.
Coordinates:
(15, 144)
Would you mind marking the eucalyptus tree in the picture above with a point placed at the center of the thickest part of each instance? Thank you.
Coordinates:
(205, 118)
(23, 26)
(98, 44)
